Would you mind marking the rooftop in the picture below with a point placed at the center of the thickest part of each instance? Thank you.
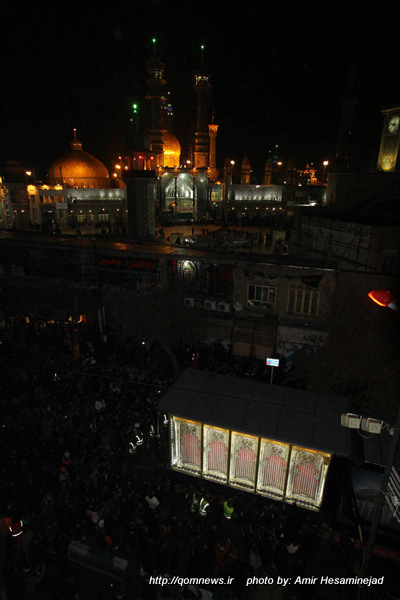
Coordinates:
(151, 249)
(275, 412)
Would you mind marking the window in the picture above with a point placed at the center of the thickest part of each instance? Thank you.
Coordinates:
(262, 295)
(302, 300)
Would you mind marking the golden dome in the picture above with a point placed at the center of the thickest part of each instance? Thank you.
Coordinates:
(171, 150)
(77, 168)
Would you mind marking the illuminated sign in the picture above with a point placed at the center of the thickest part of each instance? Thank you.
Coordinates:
(215, 453)
(243, 463)
(267, 467)
(272, 471)
(307, 474)
(186, 453)
(273, 362)
(127, 264)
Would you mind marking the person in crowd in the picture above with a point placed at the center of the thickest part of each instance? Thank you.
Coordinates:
(152, 501)
(69, 476)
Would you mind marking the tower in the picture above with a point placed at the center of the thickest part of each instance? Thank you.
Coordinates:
(136, 153)
(141, 190)
(212, 133)
(290, 172)
(389, 148)
(200, 143)
(246, 170)
(268, 173)
(349, 103)
(155, 82)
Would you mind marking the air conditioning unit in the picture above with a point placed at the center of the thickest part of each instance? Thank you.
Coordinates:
(224, 306)
(371, 425)
(350, 420)
(188, 301)
(210, 305)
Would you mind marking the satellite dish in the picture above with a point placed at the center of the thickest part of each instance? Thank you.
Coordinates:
(238, 306)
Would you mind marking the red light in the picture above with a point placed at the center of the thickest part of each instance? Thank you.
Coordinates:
(382, 297)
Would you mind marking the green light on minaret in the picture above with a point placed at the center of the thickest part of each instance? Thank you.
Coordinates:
(202, 47)
(154, 41)
(135, 108)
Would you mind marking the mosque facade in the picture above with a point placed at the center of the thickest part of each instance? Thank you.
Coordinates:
(151, 179)
(78, 196)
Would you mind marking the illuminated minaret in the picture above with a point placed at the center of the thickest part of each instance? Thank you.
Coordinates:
(212, 161)
(245, 174)
(268, 173)
(156, 83)
(202, 88)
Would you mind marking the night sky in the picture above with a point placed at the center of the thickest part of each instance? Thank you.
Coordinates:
(278, 76)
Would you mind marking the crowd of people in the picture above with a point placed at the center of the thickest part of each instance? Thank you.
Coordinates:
(85, 462)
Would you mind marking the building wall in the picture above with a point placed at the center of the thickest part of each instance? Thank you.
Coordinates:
(291, 292)
(254, 193)
(355, 246)
(244, 301)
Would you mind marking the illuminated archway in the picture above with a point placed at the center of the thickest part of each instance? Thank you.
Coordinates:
(179, 192)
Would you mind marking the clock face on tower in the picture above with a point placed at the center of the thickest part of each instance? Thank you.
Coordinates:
(393, 125)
